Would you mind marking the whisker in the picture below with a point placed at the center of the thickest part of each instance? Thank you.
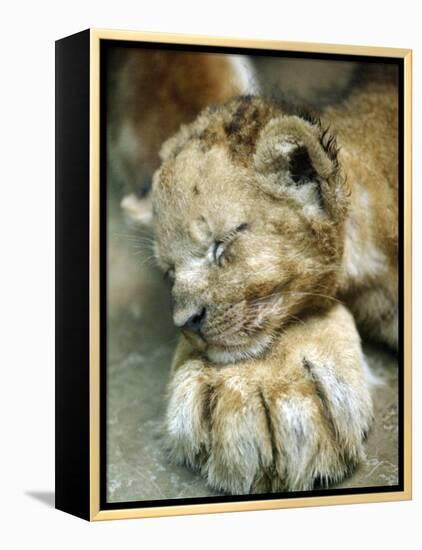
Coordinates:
(318, 295)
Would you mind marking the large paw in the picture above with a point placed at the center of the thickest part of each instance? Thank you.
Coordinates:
(263, 429)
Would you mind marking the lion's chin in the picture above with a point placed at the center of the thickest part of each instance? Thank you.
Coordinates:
(233, 354)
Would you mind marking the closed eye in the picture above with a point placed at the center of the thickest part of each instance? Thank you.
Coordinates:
(241, 227)
(217, 252)
(220, 246)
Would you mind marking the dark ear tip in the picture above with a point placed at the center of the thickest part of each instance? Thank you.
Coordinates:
(328, 142)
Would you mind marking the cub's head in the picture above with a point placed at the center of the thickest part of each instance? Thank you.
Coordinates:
(247, 211)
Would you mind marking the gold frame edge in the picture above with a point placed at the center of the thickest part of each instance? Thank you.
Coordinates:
(94, 276)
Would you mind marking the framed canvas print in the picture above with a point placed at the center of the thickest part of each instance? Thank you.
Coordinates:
(233, 274)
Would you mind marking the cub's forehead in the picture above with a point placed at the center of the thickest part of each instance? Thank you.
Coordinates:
(200, 193)
(194, 170)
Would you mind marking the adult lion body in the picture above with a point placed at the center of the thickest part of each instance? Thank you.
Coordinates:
(267, 224)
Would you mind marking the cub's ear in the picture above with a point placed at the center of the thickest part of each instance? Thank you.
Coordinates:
(138, 210)
(297, 159)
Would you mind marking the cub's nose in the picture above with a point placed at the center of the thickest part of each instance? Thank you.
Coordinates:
(193, 324)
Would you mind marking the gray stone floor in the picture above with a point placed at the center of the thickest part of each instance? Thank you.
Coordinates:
(141, 339)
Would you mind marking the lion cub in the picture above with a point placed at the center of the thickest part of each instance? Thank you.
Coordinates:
(266, 224)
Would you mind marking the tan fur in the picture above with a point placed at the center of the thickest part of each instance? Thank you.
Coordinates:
(259, 219)
(367, 129)
(279, 423)
(154, 92)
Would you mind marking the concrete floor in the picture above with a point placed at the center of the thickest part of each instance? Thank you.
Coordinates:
(141, 340)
